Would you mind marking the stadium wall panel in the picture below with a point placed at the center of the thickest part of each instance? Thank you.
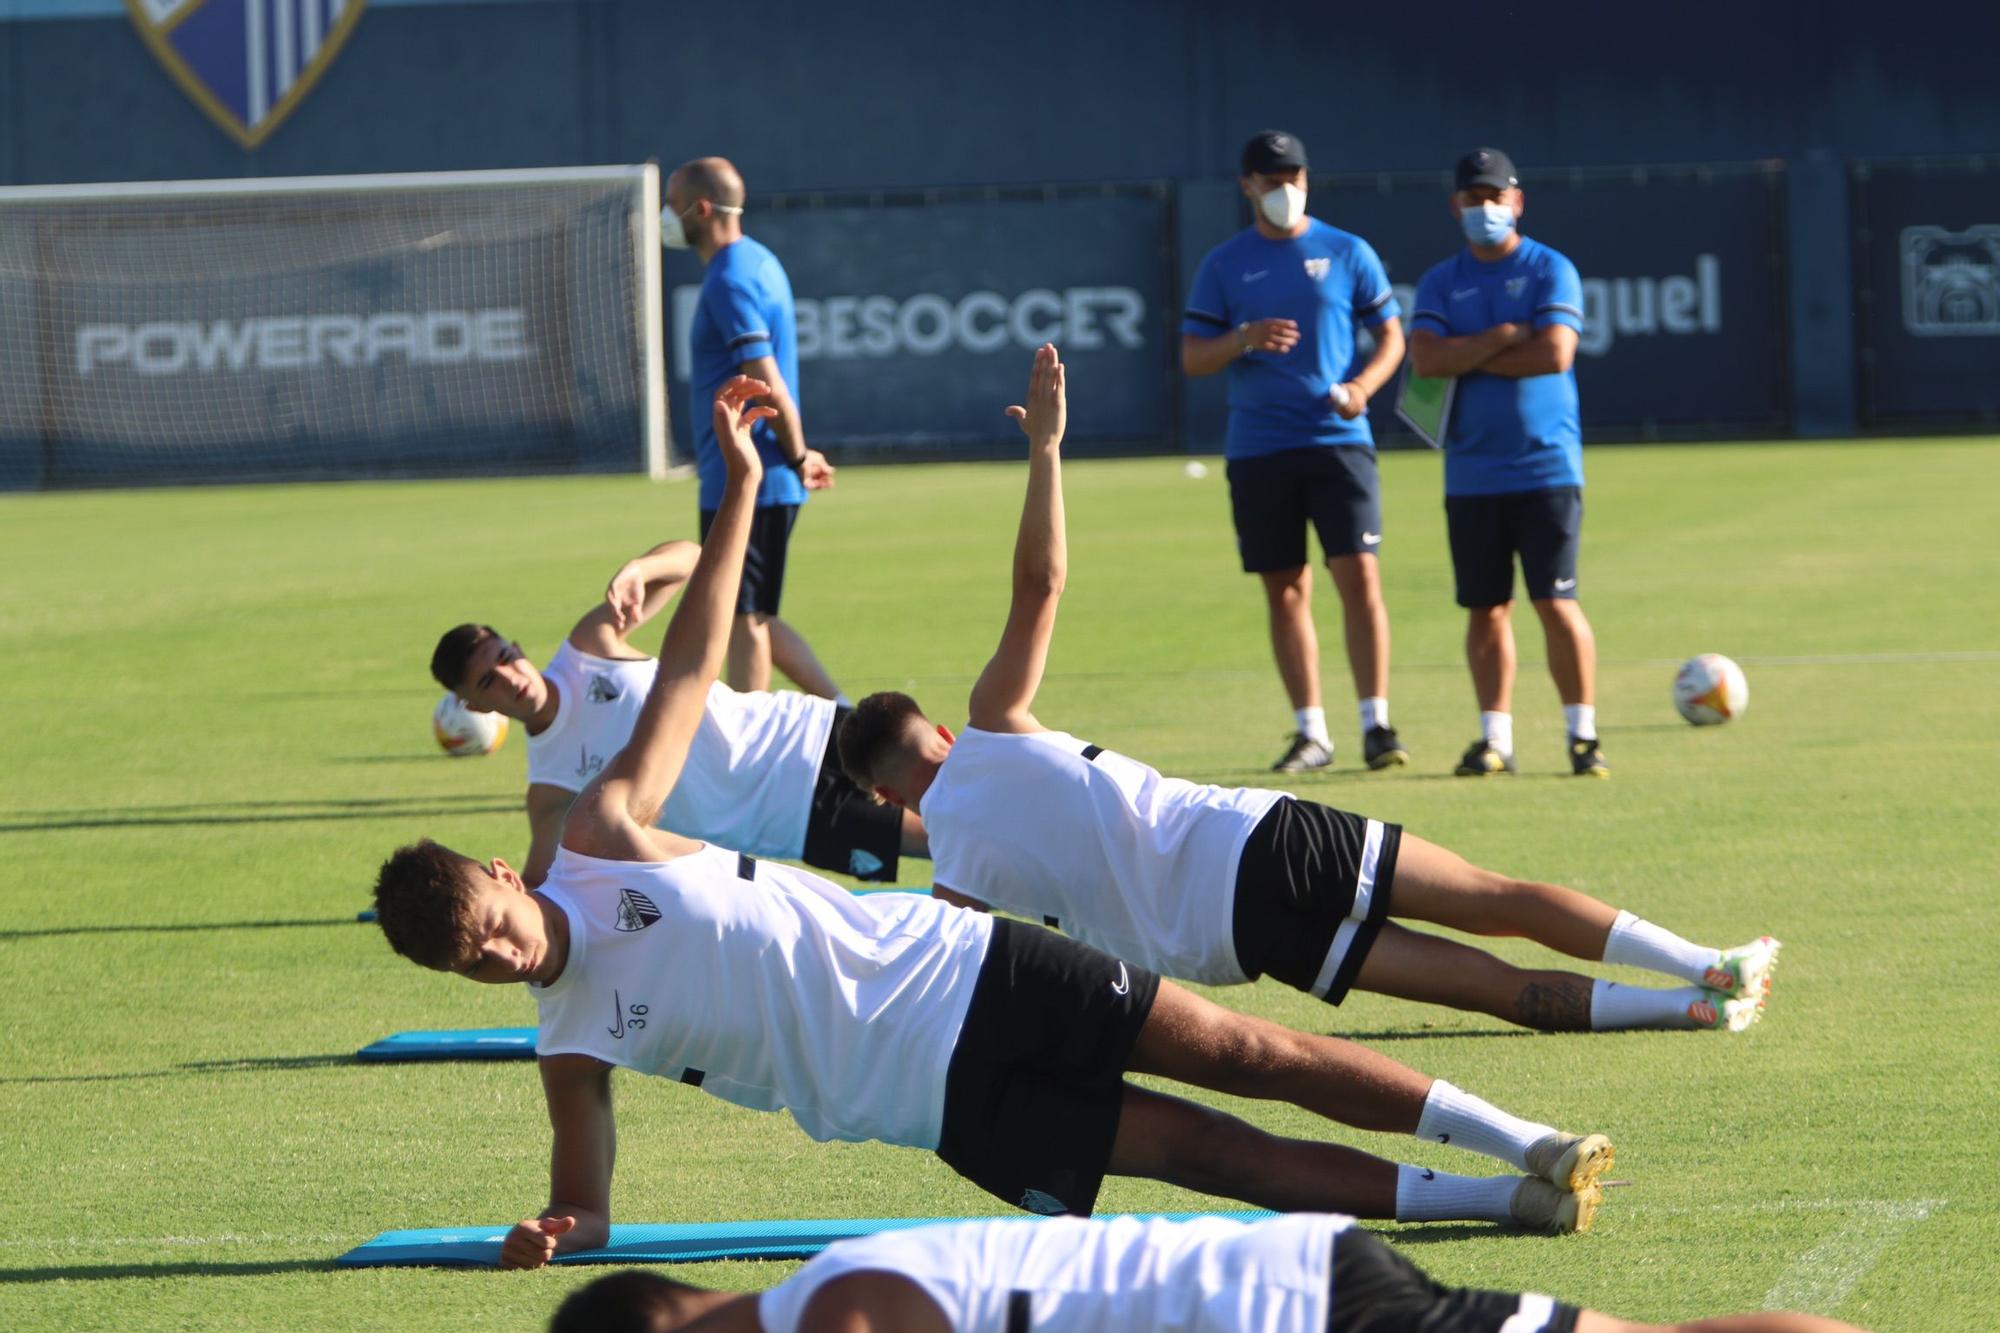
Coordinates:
(1927, 286)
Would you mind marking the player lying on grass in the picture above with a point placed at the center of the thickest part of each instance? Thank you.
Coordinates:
(1306, 1273)
(762, 773)
(1222, 885)
(1000, 1045)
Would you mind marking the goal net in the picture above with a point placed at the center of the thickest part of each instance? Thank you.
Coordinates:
(331, 327)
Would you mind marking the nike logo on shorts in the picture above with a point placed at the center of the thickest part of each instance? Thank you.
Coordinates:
(1371, 539)
(1564, 585)
(1122, 986)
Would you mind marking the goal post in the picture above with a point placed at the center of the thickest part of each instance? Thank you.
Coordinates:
(427, 324)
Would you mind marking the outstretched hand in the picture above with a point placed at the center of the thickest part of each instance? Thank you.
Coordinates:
(530, 1243)
(733, 419)
(1047, 413)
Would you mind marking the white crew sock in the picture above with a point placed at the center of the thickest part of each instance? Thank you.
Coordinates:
(1581, 720)
(1312, 724)
(1452, 1115)
(1423, 1195)
(1498, 729)
(1374, 713)
(1613, 1006)
(1636, 943)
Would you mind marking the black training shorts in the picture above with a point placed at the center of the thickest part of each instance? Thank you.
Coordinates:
(1543, 527)
(847, 830)
(1274, 496)
(1312, 892)
(764, 561)
(1037, 1079)
(1377, 1290)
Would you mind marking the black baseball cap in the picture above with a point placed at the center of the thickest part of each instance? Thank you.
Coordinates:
(1485, 166)
(1272, 150)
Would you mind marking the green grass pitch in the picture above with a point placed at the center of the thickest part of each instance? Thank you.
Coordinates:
(214, 724)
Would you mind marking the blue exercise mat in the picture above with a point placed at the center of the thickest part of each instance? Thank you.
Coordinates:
(654, 1243)
(469, 1044)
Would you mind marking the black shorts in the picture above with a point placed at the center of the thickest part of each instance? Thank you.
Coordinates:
(1037, 1079)
(1377, 1290)
(1486, 531)
(1273, 497)
(1312, 892)
(764, 561)
(847, 830)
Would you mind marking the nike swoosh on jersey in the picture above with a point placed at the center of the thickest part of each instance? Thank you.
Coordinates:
(1260, 273)
(1464, 293)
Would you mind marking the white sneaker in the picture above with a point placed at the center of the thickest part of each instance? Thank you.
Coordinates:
(1745, 970)
(1726, 1013)
(1540, 1206)
(1571, 1162)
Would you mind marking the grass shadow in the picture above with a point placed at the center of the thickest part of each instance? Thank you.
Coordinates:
(193, 1268)
(169, 928)
(244, 1065)
(141, 817)
(1425, 1034)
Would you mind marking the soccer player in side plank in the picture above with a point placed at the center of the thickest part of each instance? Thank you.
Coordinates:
(1222, 885)
(762, 773)
(1002, 1046)
(1306, 1273)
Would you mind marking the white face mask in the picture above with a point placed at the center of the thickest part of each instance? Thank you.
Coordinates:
(673, 236)
(1284, 206)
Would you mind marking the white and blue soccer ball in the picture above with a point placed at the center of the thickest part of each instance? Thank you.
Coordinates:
(462, 731)
(1710, 689)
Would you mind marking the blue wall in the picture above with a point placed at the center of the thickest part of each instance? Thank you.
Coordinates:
(1814, 236)
(814, 96)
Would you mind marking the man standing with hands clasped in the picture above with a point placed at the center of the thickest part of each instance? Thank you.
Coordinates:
(1503, 316)
(1276, 305)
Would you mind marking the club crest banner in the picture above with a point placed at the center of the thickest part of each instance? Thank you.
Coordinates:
(246, 63)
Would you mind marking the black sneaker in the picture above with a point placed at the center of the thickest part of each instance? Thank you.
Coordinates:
(1586, 760)
(1304, 753)
(1382, 749)
(1483, 761)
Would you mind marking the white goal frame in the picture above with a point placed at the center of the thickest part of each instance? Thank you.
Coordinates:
(645, 240)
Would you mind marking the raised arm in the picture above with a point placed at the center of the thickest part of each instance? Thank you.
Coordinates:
(1005, 691)
(640, 590)
(612, 816)
(584, 1146)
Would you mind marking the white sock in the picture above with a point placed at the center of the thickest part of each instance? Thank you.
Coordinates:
(1452, 1115)
(1498, 729)
(1312, 724)
(1423, 1195)
(1581, 719)
(1636, 943)
(1613, 1006)
(1374, 713)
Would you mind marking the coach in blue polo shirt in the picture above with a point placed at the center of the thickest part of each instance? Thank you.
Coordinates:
(744, 325)
(1503, 316)
(1277, 305)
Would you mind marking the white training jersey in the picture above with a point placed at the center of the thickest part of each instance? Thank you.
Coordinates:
(782, 992)
(1203, 1275)
(751, 769)
(1096, 844)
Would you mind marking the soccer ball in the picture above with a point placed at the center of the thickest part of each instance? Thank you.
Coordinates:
(1710, 689)
(462, 731)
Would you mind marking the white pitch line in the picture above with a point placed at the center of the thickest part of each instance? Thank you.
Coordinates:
(1821, 1278)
